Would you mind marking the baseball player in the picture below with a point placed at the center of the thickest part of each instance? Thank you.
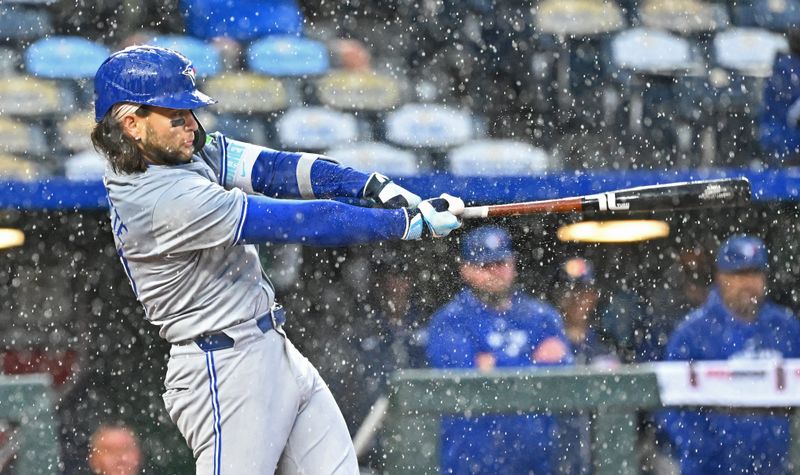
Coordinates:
(737, 321)
(491, 324)
(186, 209)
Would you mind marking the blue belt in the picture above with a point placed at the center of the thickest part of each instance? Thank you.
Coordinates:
(220, 341)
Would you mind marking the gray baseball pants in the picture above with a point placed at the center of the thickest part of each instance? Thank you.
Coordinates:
(256, 408)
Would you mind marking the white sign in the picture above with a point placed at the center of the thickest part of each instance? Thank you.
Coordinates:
(737, 383)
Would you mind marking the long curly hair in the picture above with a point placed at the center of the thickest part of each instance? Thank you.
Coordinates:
(120, 149)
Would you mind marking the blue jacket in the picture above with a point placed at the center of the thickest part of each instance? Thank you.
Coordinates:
(494, 444)
(716, 442)
(778, 137)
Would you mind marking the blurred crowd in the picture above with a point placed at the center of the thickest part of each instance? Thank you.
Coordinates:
(471, 87)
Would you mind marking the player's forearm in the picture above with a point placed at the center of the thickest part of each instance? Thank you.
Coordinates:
(318, 222)
(299, 175)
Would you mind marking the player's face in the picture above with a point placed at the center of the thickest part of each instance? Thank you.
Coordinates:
(492, 278)
(168, 136)
(742, 292)
(115, 452)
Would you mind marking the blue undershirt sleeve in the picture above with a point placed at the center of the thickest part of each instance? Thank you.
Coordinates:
(280, 174)
(317, 222)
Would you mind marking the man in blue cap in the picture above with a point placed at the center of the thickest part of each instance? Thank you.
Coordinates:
(737, 321)
(491, 324)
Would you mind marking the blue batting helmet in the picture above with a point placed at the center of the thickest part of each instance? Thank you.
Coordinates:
(147, 75)
(742, 252)
(486, 245)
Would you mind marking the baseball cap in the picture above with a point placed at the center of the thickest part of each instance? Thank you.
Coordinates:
(576, 271)
(740, 252)
(485, 245)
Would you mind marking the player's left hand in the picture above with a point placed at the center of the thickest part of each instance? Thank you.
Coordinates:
(382, 191)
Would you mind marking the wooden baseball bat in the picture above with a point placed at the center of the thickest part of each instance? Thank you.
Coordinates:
(667, 197)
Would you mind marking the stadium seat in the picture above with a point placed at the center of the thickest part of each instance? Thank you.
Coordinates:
(743, 59)
(316, 128)
(206, 60)
(578, 17)
(685, 17)
(27, 96)
(653, 70)
(429, 126)
(20, 24)
(64, 57)
(580, 31)
(359, 91)
(246, 93)
(497, 157)
(288, 56)
(85, 165)
(74, 132)
(651, 51)
(380, 156)
(750, 51)
(243, 20)
(21, 138)
(16, 168)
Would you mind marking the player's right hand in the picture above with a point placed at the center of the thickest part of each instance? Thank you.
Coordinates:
(435, 217)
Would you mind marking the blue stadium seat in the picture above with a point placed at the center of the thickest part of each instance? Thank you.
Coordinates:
(316, 128)
(429, 126)
(20, 24)
(206, 60)
(288, 56)
(64, 57)
(498, 157)
(380, 156)
(242, 20)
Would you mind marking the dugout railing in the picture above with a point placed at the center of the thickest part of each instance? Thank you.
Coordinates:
(31, 443)
(418, 399)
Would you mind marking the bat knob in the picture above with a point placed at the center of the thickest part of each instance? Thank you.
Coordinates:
(454, 205)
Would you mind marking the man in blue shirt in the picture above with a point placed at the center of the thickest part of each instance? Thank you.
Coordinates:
(491, 324)
(737, 321)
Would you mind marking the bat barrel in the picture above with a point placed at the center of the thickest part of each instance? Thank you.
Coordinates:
(672, 197)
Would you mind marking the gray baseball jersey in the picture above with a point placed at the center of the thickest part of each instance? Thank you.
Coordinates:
(176, 231)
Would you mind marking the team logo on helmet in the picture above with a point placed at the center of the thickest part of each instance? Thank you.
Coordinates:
(190, 72)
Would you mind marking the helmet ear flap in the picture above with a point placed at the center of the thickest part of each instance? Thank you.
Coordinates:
(199, 135)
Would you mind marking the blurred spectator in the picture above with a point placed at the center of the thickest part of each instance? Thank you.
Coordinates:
(577, 297)
(780, 115)
(114, 450)
(684, 287)
(737, 321)
(490, 324)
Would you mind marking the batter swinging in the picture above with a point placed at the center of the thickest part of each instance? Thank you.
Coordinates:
(186, 209)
